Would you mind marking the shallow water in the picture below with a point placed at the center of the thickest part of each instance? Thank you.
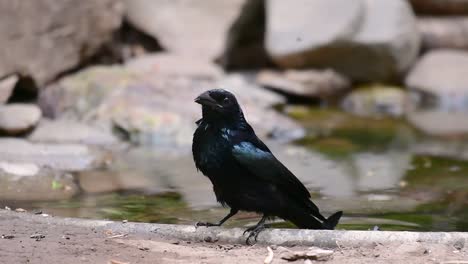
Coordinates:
(379, 171)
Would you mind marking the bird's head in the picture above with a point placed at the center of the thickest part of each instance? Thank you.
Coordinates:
(219, 105)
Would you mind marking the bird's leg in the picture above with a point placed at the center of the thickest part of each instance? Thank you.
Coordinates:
(255, 230)
(231, 214)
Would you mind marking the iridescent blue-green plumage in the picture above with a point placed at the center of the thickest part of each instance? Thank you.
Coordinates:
(244, 173)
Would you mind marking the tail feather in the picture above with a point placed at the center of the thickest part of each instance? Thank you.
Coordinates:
(304, 220)
(332, 221)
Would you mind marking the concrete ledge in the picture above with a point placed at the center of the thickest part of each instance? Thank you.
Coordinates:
(287, 237)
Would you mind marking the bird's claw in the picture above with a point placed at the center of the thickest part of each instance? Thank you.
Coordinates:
(253, 232)
(207, 224)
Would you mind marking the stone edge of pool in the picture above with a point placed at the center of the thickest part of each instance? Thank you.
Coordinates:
(287, 237)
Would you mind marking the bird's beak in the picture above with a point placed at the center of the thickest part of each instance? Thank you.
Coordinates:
(205, 99)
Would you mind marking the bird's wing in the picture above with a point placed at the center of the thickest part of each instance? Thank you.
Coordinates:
(259, 161)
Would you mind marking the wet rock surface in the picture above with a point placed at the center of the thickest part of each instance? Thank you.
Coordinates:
(56, 36)
(18, 118)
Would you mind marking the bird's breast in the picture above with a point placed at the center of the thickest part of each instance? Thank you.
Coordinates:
(211, 150)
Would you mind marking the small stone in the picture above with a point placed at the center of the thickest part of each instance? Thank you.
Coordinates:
(18, 118)
(20, 210)
(38, 237)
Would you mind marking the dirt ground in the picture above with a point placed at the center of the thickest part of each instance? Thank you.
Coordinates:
(73, 244)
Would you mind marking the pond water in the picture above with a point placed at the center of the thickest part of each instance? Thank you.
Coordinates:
(379, 171)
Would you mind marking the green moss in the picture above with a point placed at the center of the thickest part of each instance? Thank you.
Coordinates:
(438, 174)
(336, 133)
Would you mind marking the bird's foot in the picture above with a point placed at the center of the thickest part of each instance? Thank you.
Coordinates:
(207, 224)
(253, 233)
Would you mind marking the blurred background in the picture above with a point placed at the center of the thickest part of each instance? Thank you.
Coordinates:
(366, 101)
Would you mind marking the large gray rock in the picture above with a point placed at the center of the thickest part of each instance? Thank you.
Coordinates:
(18, 118)
(439, 84)
(367, 40)
(67, 157)
(440, 122)
(185, 26)
(45, 37)
(153, 105)
(443, 74)
(66, 131)
(444, 32)
(440, 7)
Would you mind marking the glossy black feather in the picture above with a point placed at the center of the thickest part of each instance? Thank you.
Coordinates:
(244, 173)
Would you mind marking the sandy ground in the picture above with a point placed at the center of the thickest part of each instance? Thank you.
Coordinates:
(72, 244)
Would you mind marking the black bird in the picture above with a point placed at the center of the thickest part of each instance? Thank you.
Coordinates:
(244, 173)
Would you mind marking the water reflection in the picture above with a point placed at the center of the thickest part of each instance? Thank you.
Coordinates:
(379, 171)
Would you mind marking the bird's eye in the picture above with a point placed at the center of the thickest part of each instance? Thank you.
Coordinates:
(225, 100)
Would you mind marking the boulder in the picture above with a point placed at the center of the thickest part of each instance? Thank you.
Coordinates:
(443, 32)
(18, 118)
(152, 105)
(66, 131)
(305, 83)
(442, 74)
(440, 7)
(439, 122)
(376, 100)
(46, 37)
(197, 28)
(66, 157)
(366, 40)
(7, 85)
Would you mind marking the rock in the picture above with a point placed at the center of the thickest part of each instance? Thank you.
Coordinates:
(305, 83)
(30, 182)
(366, 40)
(440, 122)
(376, 100)
(200, 33)
(174, 65)
(443, 32)
(442, 74)
(157, 109)
(18, 118)
(137, 169)
(67, 157)
(6, 87)
(440, 7)
(44, 38)
(244, 46)
(65, 131)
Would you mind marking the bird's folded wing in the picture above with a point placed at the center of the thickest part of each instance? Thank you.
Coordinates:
(264, 165)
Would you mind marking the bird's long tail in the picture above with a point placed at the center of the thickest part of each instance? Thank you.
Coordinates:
(332, 220)
(304, 220)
